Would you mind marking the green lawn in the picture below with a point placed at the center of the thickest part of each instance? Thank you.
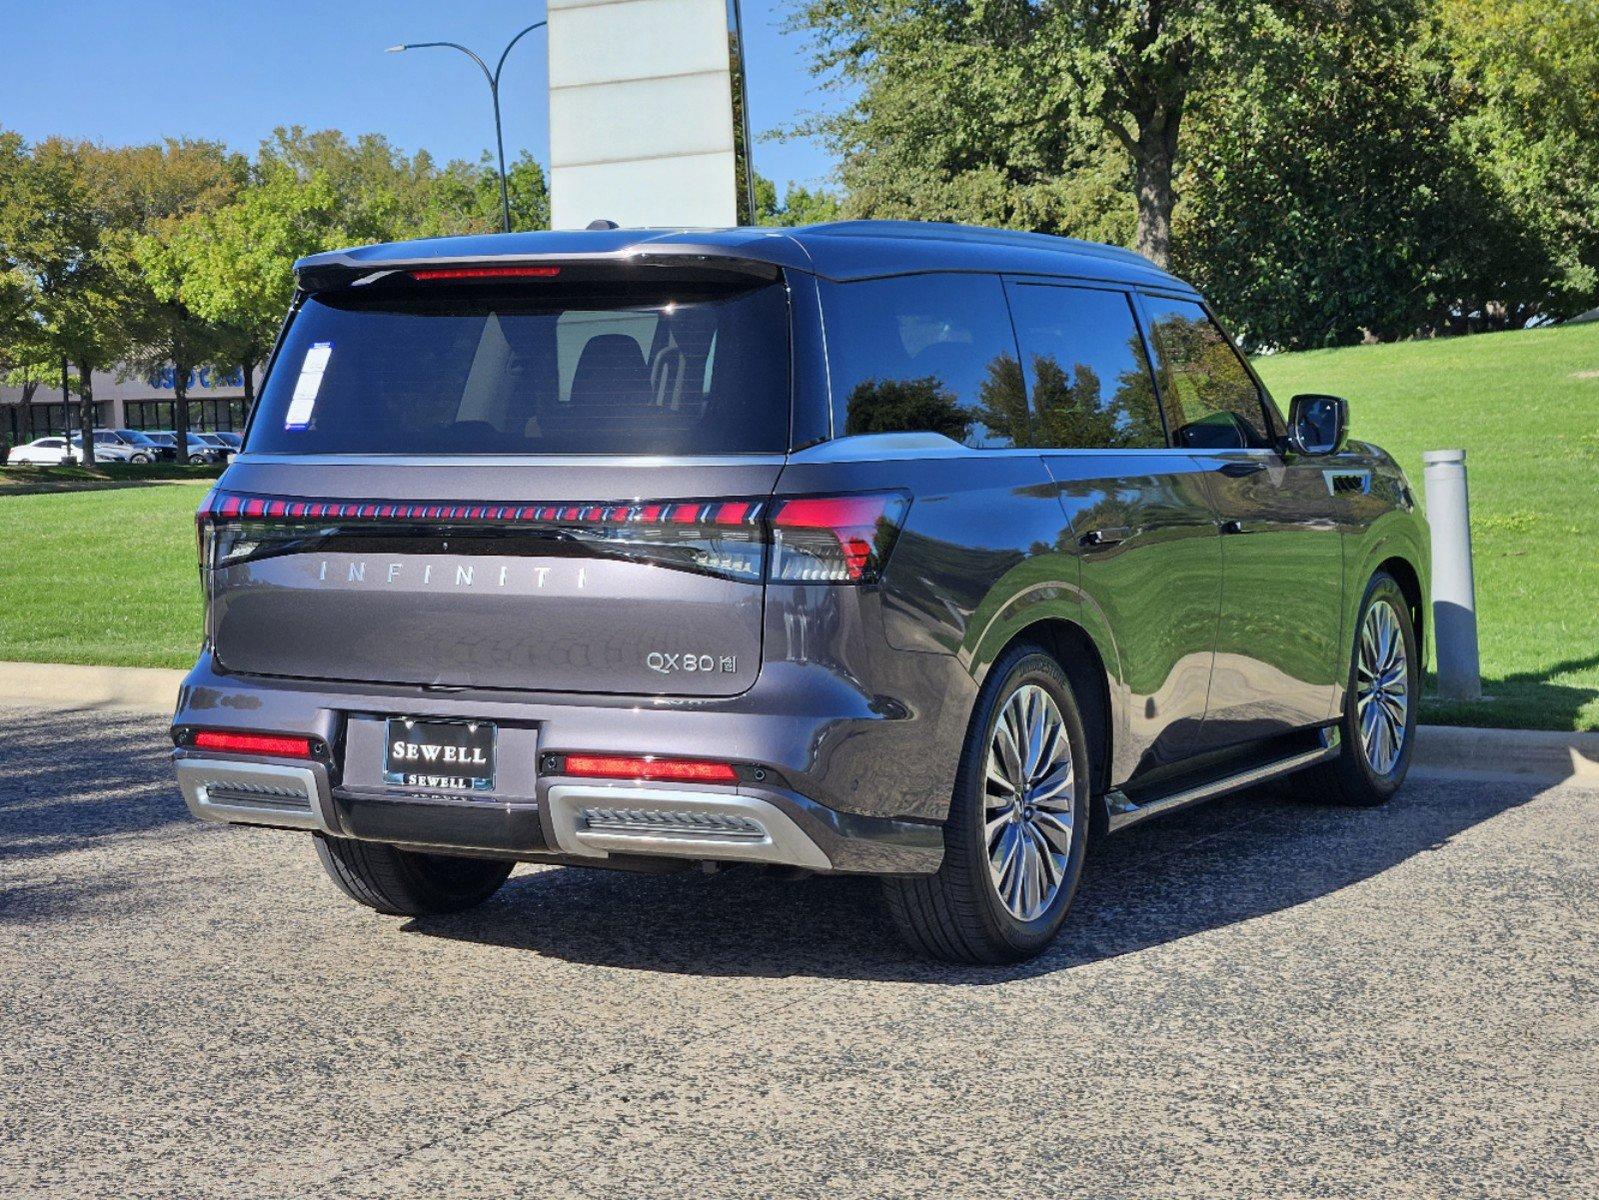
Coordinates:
(100, 576)
(1525, 407)
(107, 575)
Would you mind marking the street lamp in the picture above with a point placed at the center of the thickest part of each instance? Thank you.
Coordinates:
(494, 92)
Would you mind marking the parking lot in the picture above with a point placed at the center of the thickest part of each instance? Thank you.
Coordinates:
(1261, 997)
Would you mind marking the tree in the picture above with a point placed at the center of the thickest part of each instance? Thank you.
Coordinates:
(1371, 176)
(56, 223)
(237, 261)
(800, 205)
(164, 189)
(1526, 73)
(1030, 114)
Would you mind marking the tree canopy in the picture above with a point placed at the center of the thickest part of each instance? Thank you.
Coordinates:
(1329, 170)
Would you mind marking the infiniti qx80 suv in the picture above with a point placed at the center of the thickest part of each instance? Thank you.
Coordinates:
(918, 551)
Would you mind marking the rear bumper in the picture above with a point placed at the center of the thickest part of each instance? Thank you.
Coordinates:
(576, 821)
(540, 816)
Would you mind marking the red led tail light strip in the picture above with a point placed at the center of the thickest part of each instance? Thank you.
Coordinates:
(238, 506)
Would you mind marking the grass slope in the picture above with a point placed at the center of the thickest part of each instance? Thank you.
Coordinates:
(1525, 407)
(107, 575)
(101, 576)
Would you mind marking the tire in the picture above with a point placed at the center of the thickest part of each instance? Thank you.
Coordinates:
(1363, 775)
(196, 459)
(139, 458)
(404, 883)
(959, 913)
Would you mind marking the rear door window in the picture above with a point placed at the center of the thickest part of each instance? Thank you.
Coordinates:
(1086, 370)
(552, 369)
(1211, 400)
(925, 354)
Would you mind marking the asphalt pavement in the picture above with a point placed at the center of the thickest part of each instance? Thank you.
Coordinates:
(1262, 997)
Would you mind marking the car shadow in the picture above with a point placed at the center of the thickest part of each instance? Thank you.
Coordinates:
(69, 778)
(1239, 858)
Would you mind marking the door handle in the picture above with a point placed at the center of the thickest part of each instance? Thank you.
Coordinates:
(1238, 470)
(1233, 526)
(1111, 535)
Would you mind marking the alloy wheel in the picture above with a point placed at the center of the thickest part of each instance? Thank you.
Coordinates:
(1029, 802)
(1382, 687)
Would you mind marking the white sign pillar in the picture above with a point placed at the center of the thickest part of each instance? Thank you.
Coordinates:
(641, 113)
(1454, 588)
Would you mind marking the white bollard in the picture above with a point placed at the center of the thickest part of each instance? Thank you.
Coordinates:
(1454, 592)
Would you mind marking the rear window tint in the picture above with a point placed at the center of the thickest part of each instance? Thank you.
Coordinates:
(469, 369)
(925, 354)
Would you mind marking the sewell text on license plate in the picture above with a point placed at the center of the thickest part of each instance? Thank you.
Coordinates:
(455, 756)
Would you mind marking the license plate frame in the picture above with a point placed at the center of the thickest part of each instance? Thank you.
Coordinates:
(465, 762)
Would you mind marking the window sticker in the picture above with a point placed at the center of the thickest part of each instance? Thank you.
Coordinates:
(308, 385)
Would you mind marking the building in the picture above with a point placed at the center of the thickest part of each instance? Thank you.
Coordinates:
(140, 401)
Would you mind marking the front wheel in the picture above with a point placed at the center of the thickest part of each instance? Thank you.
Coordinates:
(1378, 725)
(1018, 825)
(405, 883)
(139, 458)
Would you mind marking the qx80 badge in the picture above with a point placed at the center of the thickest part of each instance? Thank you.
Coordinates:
(667, 663)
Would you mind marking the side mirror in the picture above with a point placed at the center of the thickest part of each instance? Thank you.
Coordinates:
(1317, 424)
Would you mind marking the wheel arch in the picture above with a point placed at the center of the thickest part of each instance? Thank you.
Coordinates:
(1070, 645)
(1409, 580)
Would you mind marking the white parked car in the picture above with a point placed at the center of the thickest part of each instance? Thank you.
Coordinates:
(43, 452)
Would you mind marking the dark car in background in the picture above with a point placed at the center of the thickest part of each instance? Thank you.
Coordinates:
(124, 445)
(918, 551)
(200, 448)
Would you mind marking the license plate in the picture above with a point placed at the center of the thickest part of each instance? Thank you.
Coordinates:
(455, 756)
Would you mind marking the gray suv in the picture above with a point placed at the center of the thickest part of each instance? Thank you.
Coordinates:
(918, 551)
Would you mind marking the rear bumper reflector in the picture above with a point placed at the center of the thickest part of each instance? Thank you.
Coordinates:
(675, 770)
(270, 745)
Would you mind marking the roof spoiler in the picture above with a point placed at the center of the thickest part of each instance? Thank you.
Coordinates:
(707, 264)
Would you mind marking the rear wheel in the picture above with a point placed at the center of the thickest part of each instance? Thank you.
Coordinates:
(405, 883)
(1378, 725)
(1018, 824)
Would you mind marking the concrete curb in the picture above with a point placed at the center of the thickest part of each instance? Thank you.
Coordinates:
(1462, 751)
(1440, 749)
(64, 685)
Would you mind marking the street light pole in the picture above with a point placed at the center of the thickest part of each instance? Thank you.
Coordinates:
(493, 78)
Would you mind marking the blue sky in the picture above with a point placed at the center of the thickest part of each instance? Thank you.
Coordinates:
(116, 71)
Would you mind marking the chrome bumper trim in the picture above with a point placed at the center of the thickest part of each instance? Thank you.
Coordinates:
(250, 793)
(594, 820)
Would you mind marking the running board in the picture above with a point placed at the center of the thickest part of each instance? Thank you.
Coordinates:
(1124, 812)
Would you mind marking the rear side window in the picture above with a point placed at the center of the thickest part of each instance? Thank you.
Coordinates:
(925, 354)
(1211, 402)
(1086, 370)
(552, 369)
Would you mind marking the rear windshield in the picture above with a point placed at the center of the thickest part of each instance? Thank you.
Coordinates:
(581, 369)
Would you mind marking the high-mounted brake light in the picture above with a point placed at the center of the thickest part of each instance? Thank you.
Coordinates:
(835, 539)
(677, 770)
(432, 273)
(274, 745)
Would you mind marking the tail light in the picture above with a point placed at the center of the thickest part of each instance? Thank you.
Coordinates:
(812, 539)
(835, 539)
